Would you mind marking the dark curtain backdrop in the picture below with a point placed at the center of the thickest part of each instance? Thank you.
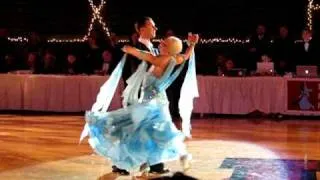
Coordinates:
(208, 17)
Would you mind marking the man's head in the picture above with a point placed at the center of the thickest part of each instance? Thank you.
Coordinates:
(169, 33)
(71, 58)
(32, 58)
(283, 31)
(306, 35)
(229, 64)
(171, 45)
(146, 28)
(261, 29)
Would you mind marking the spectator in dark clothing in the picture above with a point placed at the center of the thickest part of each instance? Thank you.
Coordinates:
(259, 45)
(306, 50)
(282, 52)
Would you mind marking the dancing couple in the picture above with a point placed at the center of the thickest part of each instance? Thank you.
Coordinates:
(141, 136)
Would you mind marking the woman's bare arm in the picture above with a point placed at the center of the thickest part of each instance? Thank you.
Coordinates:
(144, 55)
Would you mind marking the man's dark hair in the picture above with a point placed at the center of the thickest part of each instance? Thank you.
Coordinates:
(141, 22)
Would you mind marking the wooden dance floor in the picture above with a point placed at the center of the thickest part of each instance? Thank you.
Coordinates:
(47, 147)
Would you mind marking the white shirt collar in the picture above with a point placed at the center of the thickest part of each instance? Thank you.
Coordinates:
(146, 42)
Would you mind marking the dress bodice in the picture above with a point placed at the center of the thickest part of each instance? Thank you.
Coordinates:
(154, 87)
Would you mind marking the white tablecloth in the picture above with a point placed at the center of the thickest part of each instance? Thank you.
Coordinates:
(234, 95)
(53, 92)
(218, 95)
(11, 92)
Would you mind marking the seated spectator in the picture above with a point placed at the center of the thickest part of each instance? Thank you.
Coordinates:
(7, 57)
(228, 66)
(32, 63)
(265, 58)
(72, 65)
(107, 58)
(9, 63)
(220, 64)
(49, 64)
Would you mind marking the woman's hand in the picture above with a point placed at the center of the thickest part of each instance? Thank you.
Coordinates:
(193, 38)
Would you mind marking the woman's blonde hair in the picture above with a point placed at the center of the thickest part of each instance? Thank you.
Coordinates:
(174, 45)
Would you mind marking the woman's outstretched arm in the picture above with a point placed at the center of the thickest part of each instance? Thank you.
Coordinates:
(144, 55)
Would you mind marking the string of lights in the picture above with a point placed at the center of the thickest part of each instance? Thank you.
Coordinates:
(201, 41)
(316, 7)
(206, 41)
(18, 39)
(96, 17)
(311, 8)
(221, 40)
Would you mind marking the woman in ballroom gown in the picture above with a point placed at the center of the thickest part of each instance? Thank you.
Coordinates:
(142, 132)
